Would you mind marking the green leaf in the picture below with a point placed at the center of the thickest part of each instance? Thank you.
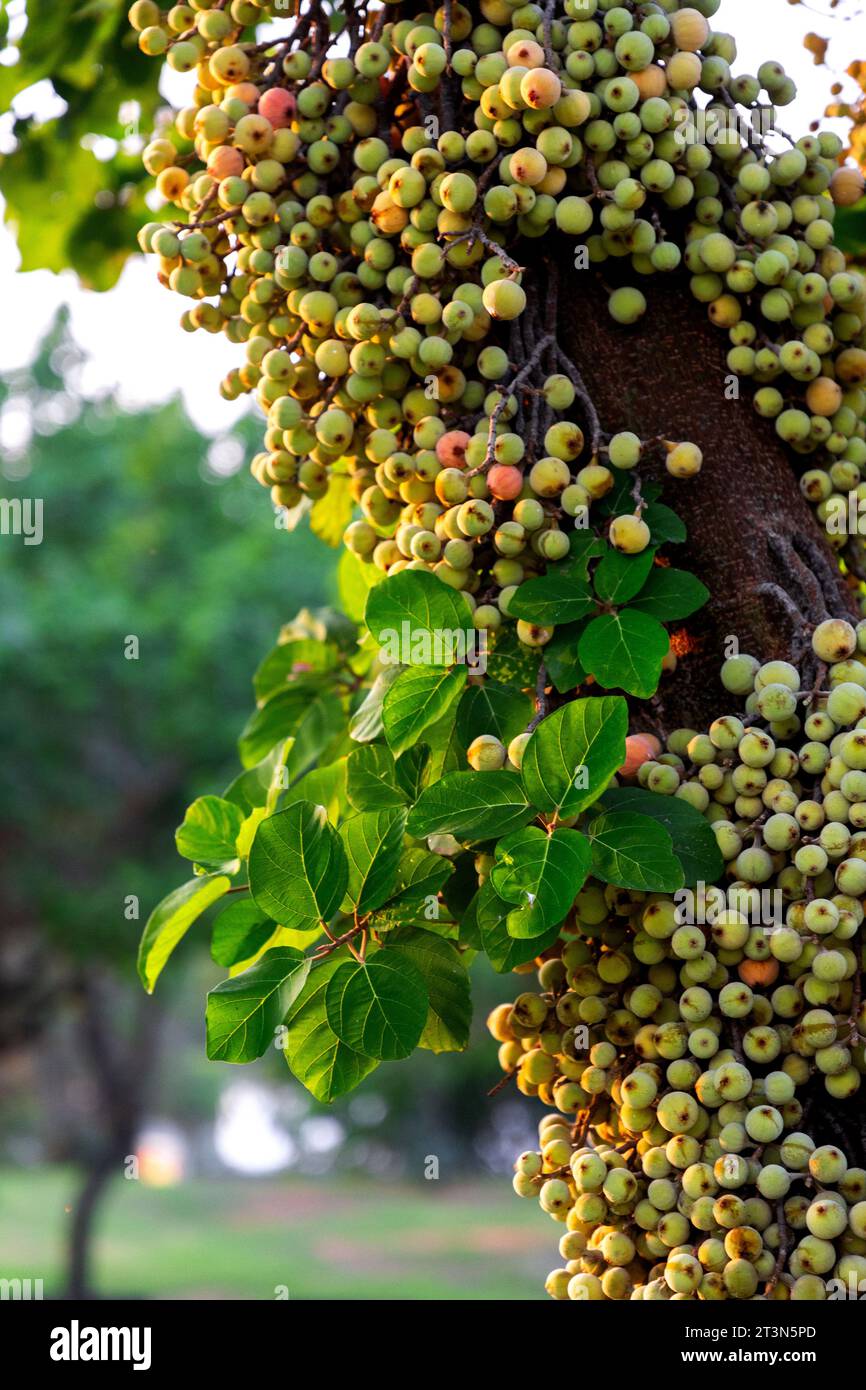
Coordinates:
(461, 885)
(171, 919)
(292, 661)
(366, 723)
(584, 547)
(326, 786)
(670, 594)
(375, 779)
(471, 806)
(561, 659)
(487, 914)
(315, 1055)
(664, 524)
(309, 711)
(625, 651)
(420, 875)
(378, 1007)
(694, 843)
(619, 577)
(240, 930)
(510, 661)
(373, 841)
(849, 230)
(355, 579)
(492, 709)
(418, 698)
(418, 619)
(331, 514)
(322, 721)
(298, 869)
(412, 769)
(558, 596)
(446, 753)
(440, 964)
(634, 851)
(245, 1011)
(371, 778)
(573, 754)
(210, 830)
(541, 874)
(261, 785)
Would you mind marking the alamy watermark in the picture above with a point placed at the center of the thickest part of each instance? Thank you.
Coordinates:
(419, 646)
(846, 515)
(22, 516)
(21, 1290)
(701, 906)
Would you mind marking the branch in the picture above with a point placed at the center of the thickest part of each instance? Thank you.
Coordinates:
(525, 372)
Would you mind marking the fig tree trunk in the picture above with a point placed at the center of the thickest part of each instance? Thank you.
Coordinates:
(753, 538)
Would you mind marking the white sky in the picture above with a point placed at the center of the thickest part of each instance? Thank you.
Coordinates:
(132, 335)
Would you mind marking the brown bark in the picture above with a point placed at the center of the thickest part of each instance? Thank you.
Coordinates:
(753, 539)
(121, 1069)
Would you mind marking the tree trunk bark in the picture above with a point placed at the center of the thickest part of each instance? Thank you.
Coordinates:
(79, 1279)
(121, 1068)
(753, 539)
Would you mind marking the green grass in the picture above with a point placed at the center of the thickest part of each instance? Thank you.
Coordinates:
(318, 1238)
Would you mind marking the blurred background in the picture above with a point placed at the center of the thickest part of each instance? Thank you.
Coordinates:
(129, 1165)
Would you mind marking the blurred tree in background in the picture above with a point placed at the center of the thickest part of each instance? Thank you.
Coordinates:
(88, 156)
(105, 628)
(155, 533)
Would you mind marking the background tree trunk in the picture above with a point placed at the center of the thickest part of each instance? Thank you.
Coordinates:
(753, 539)
(121, 1067)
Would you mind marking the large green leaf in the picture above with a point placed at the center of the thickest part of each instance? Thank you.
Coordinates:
(694, 843)
(331, 514)
(561, 658)
(240, 930)
(510, 661)
(261, 785)
(371, 778)
(670, 594)
(210, 829)
(471, 806)
(373, 841)
(540, 874)
(245, 1011)
(634, 851)
(378, 1006)
(413, 614)
(619, 577)
(420, 878)
(441, 966)
(558, 596)
(487, 915)
(664, 524)
(573, 754)
(171, 919)
(412, 767)
(625, 651)
(290, 660)
(315, 1055)
(492, 709)
(366, 722)
(355, 580)
(326, 786)
(418, 698)
(298, 869)
(282, 716)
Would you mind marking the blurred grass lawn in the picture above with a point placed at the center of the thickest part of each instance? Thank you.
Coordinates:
(327, 1238)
